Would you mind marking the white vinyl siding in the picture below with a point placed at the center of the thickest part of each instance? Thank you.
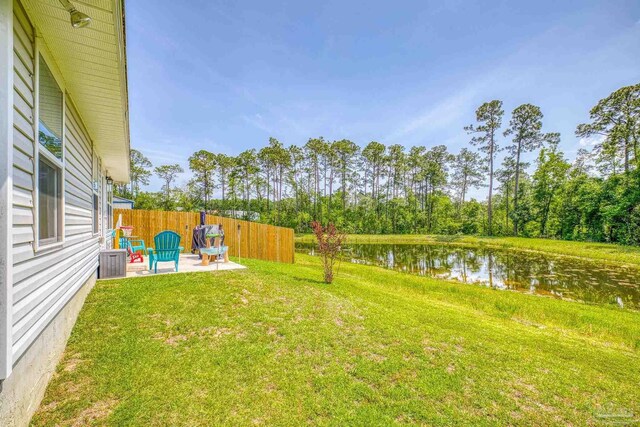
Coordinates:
(44, 281)
(23, 135)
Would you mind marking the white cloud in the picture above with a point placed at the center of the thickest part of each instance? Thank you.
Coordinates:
(258, 121)
(591, 141)
(507, 76)
(438, 116)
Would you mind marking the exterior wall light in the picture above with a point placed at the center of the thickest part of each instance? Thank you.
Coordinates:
(78, 19)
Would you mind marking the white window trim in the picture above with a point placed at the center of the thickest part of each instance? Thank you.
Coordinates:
(40, 49)
(109, 204)
(107, 201)
(95, 168)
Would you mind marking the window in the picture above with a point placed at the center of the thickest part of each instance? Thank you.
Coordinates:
(50, 111)
(50, 157)
(109, 203)
(95, 214)
(95, 185)
(49, 198)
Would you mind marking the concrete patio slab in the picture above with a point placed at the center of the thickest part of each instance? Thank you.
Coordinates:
(188, 264)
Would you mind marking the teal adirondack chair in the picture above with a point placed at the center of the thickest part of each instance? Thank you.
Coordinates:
(135, 245)
(167, 249)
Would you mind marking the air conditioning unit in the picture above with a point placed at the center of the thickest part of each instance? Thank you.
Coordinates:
(113, 263)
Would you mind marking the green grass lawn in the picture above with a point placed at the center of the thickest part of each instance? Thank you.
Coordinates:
(272, 345)
(601, 251)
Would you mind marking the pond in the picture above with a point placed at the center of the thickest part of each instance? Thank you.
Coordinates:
(535, 273)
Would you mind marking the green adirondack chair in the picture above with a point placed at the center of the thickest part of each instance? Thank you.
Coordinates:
(167, 249)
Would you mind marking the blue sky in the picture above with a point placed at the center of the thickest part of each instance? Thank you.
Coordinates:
(225, 76)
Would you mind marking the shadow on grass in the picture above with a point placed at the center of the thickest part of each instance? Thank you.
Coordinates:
(307, 280)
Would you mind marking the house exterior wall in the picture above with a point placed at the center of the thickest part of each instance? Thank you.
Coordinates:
(44, 287)
(23, 391)
(6, 182)
(45, 279)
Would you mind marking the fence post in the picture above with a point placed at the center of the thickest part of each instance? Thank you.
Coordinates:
(238, 242)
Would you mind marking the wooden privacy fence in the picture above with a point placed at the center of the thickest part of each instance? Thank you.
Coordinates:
(259, 241)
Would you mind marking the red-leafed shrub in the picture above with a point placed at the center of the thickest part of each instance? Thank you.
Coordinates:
(329, 242)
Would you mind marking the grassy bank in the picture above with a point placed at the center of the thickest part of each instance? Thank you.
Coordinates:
(599, 251)
(272, 345)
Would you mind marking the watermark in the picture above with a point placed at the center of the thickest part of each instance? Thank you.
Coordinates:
(611, 414)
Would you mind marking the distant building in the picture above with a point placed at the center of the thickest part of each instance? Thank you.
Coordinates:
(122, 203)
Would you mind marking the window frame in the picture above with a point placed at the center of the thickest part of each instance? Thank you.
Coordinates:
(40, 51)
(58, 215)
(108, 198)
(96, 182)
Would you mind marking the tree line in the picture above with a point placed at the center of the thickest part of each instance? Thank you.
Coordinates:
(394, 189)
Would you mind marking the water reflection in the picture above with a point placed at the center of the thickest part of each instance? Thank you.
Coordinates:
(534, 273)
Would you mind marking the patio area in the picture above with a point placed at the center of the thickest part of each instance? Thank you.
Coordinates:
(188, 264)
